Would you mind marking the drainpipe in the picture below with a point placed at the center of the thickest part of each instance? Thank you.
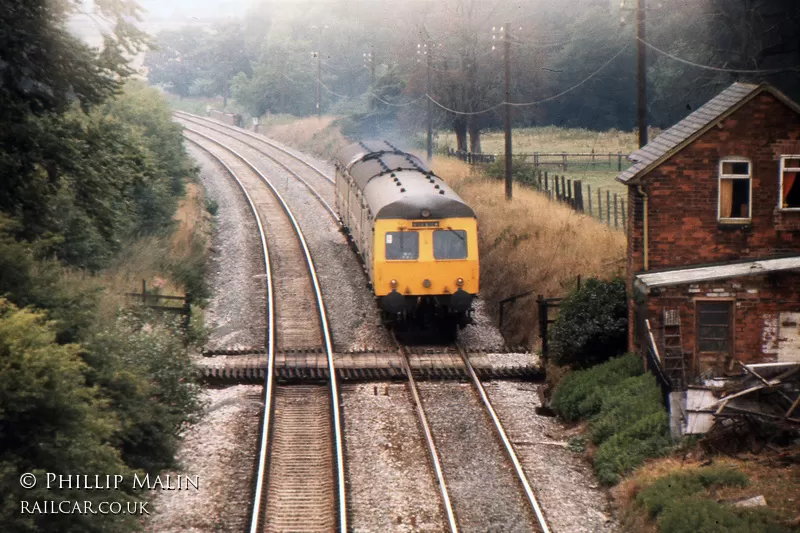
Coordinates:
(644, 224)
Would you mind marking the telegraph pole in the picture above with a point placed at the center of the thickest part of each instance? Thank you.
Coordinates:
(507, 106)
(429, 46)
(319, 85)
(641, 73)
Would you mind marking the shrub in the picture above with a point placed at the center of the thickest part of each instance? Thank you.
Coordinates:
(668, 489)
(592, 324)
(693, 515)
(580, 394)
(624, 405)
(676, 501)
(521, 171)
(631, 446)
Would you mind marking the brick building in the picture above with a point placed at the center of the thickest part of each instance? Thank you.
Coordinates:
(714, 236)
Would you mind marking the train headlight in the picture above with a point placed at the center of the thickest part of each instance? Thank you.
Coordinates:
(425, 213)
(460, 282)
(426, 283)
(393, 284)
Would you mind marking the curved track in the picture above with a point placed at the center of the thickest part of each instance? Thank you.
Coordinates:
(296, 489)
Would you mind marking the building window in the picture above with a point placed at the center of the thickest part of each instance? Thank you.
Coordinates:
(734, 190)
(790, 187)
(714, 327)
(450, 244)
(402, 245)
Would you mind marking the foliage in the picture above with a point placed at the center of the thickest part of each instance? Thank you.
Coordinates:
(680, 504)
(143, 368)
(522, 171)
(631, 445)
(592, 324)
(579, 394)
(51, 421)
(626, 417)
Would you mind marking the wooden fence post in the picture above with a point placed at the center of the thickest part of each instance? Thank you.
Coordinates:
(624, 225)
(539, 179)
(536, 159)
(541, 301)
(558, 194)
(619, 162)
(564, 159)
(608, 208)
(563, 188)
(616, 224)
(570, 196)
(599, 204)
(578, 195)
(546, 183)
(589, 195)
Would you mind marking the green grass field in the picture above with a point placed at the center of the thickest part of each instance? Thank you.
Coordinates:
(599, 175)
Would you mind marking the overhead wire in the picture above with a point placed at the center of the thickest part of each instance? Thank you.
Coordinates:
(537, 102)
(716, 69)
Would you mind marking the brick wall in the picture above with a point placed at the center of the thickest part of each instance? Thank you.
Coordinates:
(757, 300)
(682, 193)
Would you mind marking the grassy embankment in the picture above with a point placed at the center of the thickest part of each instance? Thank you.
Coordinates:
(528, 244)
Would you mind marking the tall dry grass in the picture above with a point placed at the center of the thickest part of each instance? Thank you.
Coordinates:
(313, 135)
(530, 244)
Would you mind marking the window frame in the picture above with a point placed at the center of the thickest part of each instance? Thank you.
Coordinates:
(450, 230)
(781, 170)
(402, 232)
(731, 325)
(748, 177)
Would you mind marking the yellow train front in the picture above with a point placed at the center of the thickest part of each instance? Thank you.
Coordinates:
(416, 237)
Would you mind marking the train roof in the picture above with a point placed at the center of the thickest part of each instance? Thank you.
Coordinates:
(406, 194)
(399, 185)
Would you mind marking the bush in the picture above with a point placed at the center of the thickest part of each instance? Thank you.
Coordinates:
(625, 404)
(626, 416)
(580, 394)
(592, 324)
(631, 446)
(693, 515)
(668, 489)
(676, 501)
(521, 171)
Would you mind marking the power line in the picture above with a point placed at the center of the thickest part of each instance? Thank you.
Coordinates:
(537, 102)
(378, 98)
(717, 69)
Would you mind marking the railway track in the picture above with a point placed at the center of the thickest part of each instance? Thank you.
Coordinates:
(299, 483)
(316, 180)
(302, 476)
(462, 510)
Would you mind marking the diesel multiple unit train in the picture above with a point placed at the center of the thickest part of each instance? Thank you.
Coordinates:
(416, 237)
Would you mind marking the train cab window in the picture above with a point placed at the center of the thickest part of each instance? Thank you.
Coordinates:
(450, 244)
(402, 245)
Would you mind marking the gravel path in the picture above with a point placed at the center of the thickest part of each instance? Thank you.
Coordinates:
(220, 451)
(237, 311)
(563, 481)
(390, 482)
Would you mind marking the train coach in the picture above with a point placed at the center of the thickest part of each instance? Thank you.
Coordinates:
(416, 237)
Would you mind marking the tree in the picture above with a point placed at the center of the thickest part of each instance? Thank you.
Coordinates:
(50, 421)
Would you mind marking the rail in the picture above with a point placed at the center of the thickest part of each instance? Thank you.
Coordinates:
(257, 137)
(335, 407)
(507, 444)
(437, 466)
(270, 341)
